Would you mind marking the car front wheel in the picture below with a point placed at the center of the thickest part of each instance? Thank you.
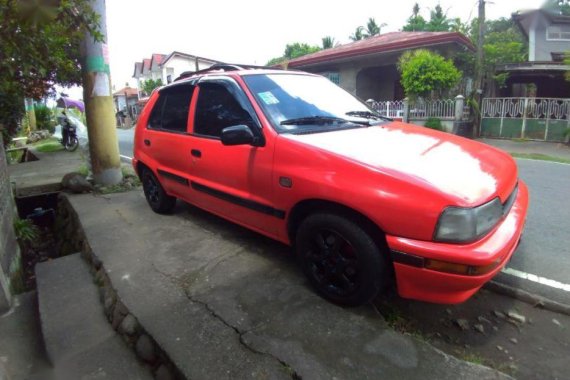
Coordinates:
(340, 259)
(158, 200)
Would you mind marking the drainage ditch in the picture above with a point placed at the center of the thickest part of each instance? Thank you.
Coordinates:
(38, 235)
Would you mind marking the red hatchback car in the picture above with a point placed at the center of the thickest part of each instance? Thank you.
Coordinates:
(363, 199)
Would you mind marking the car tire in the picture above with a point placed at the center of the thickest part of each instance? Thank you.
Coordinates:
(341, 259)
(158, 200)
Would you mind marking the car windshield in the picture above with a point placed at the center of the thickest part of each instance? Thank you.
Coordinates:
(297, 103)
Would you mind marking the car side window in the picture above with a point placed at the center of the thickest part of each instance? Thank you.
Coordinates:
(217, 108)
(155, 119)
(170, 113)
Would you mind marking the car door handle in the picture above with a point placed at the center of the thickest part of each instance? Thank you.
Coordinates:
(147, 142)
(196, 153)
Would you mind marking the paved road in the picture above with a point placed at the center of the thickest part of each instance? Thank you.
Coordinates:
(125, 137)
(544, 251)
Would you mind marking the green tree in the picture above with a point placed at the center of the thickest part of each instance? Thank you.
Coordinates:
(294, 50)
(149, 85)
(45, 118)
(504, 43)
(297, 49)
(438, 21)
(372, 28)
(424, 73)
(557, 6)
(39, 48)
(416, 22)
(357, 35)
(328, 42)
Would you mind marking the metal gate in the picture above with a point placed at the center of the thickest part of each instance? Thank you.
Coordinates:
(545, 119)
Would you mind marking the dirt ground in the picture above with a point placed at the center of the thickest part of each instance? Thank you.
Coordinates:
(517, 338)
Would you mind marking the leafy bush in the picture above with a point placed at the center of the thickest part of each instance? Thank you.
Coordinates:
(45, 118)
(434, 123)
(425, 73)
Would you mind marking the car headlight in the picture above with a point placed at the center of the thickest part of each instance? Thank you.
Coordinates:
(463, 225)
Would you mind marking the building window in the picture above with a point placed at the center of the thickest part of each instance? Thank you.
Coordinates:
(558, 33)
(332, 76)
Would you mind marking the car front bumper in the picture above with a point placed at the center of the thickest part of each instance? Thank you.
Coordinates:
(493, 251)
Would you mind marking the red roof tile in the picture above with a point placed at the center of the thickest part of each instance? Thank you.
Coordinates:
(382, 43)
(131, 92)
(157, 58)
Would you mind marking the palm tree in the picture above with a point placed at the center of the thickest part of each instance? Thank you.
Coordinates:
(328, 42)
(372, 28)
(357, 36)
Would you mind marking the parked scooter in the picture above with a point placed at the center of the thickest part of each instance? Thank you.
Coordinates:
(69, 138)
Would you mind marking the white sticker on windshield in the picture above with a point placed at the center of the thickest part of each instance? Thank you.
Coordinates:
(268, 98)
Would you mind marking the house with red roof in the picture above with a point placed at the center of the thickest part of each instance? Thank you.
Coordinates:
(126, 100)
(367, 68)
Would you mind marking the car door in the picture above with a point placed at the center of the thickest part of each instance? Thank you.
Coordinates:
(167, 139)
(232, 181)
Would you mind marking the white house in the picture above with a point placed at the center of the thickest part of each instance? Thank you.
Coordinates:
(168, 67)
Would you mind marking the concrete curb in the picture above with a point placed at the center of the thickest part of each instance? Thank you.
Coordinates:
(146, 349)
(530, 298)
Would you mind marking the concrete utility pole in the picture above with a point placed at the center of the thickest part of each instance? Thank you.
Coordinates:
(103, 145)
(478, 96)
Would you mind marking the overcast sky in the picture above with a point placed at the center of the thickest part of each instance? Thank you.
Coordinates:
(253, 31)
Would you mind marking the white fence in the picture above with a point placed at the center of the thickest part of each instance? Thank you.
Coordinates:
(388, 108)
(529, 108)
(421, 109)
(528, 118)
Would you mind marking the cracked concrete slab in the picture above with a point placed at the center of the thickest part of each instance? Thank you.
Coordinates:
(224, 302)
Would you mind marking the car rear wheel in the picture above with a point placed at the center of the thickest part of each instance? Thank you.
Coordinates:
(340, 259)
(158, 200)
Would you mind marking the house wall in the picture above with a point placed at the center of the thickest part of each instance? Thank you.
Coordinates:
(372, 77)
(378, 83)
(542, 47)
(177, 65)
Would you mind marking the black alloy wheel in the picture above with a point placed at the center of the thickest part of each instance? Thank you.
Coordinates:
(340, 259)
(158, 200)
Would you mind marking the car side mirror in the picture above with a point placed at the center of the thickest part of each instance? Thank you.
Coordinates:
(237, 135)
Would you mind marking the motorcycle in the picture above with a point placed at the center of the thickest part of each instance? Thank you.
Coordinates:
(69, 138)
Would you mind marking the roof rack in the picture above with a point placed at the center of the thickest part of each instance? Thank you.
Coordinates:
(225, 67)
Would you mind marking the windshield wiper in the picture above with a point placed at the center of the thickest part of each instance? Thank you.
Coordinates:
(367, 115)
(314, 120)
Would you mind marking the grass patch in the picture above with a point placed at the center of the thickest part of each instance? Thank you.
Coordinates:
(130, 181)
(398, 322)
(48, 145)
(15, 156)
(542, 157)
(474, 358)
(83, 170)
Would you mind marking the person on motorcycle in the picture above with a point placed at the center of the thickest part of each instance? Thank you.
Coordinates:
(65, 125)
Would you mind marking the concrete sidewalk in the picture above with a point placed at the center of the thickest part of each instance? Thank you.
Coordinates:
(530, 147)
(45, 174)
(224, 302)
